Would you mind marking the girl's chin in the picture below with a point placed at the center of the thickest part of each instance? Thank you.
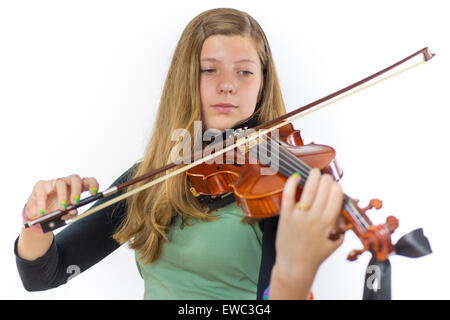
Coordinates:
(216, 128)
(221, 126)
(222, 123)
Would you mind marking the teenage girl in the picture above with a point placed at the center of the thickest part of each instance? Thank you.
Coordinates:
(222, 73)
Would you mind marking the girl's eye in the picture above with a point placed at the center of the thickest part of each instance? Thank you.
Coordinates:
(246, 73)
(208, 70)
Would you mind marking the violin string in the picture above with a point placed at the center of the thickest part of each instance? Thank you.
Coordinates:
(348, 204)
(294, 164)
(290, 164)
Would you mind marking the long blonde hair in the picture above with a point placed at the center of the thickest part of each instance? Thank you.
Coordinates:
(152, 211)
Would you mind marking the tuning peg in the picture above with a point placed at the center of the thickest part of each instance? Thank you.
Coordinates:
(391, 223)
(352, 256)
(373, 203)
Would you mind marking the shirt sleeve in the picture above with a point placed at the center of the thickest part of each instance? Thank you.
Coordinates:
(77, 247)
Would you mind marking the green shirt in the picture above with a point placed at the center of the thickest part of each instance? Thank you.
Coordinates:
(206, 260)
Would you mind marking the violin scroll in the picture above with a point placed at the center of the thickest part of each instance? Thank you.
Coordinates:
(378, 240)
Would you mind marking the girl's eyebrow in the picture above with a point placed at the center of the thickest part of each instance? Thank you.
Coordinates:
(242, 60)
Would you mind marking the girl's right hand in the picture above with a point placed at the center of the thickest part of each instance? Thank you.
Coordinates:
(51, 195)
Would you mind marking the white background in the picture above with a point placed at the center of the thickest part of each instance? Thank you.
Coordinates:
(80, 82)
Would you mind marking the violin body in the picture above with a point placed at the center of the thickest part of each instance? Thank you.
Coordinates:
(259, 195)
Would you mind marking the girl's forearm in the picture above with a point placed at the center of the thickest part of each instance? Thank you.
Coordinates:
(32, 245)
(291, 284)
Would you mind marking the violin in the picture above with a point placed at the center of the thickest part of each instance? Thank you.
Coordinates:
(258, 187)
(259, 195)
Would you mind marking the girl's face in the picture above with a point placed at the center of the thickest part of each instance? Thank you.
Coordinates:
(230, 74)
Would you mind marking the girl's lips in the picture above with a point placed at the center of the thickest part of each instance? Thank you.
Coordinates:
(224, 108)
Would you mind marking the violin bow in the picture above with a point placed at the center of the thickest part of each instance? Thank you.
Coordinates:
(52, 220)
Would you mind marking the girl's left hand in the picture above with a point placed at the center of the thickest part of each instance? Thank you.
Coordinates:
(302, 241)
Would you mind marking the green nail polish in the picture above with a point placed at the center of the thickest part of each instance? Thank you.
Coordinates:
(76, 199)
(64, 204)
(41, 211)
(94, 190)
(296, 174)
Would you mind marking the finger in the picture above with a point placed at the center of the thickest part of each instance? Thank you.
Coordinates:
(290, 189)
(310, 188)
(40, 194)
(90, 184)
(61, 189)
(75, 191)
(323, 191)
(334, 205)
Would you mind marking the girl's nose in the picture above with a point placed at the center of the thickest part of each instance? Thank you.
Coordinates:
(226, 84)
